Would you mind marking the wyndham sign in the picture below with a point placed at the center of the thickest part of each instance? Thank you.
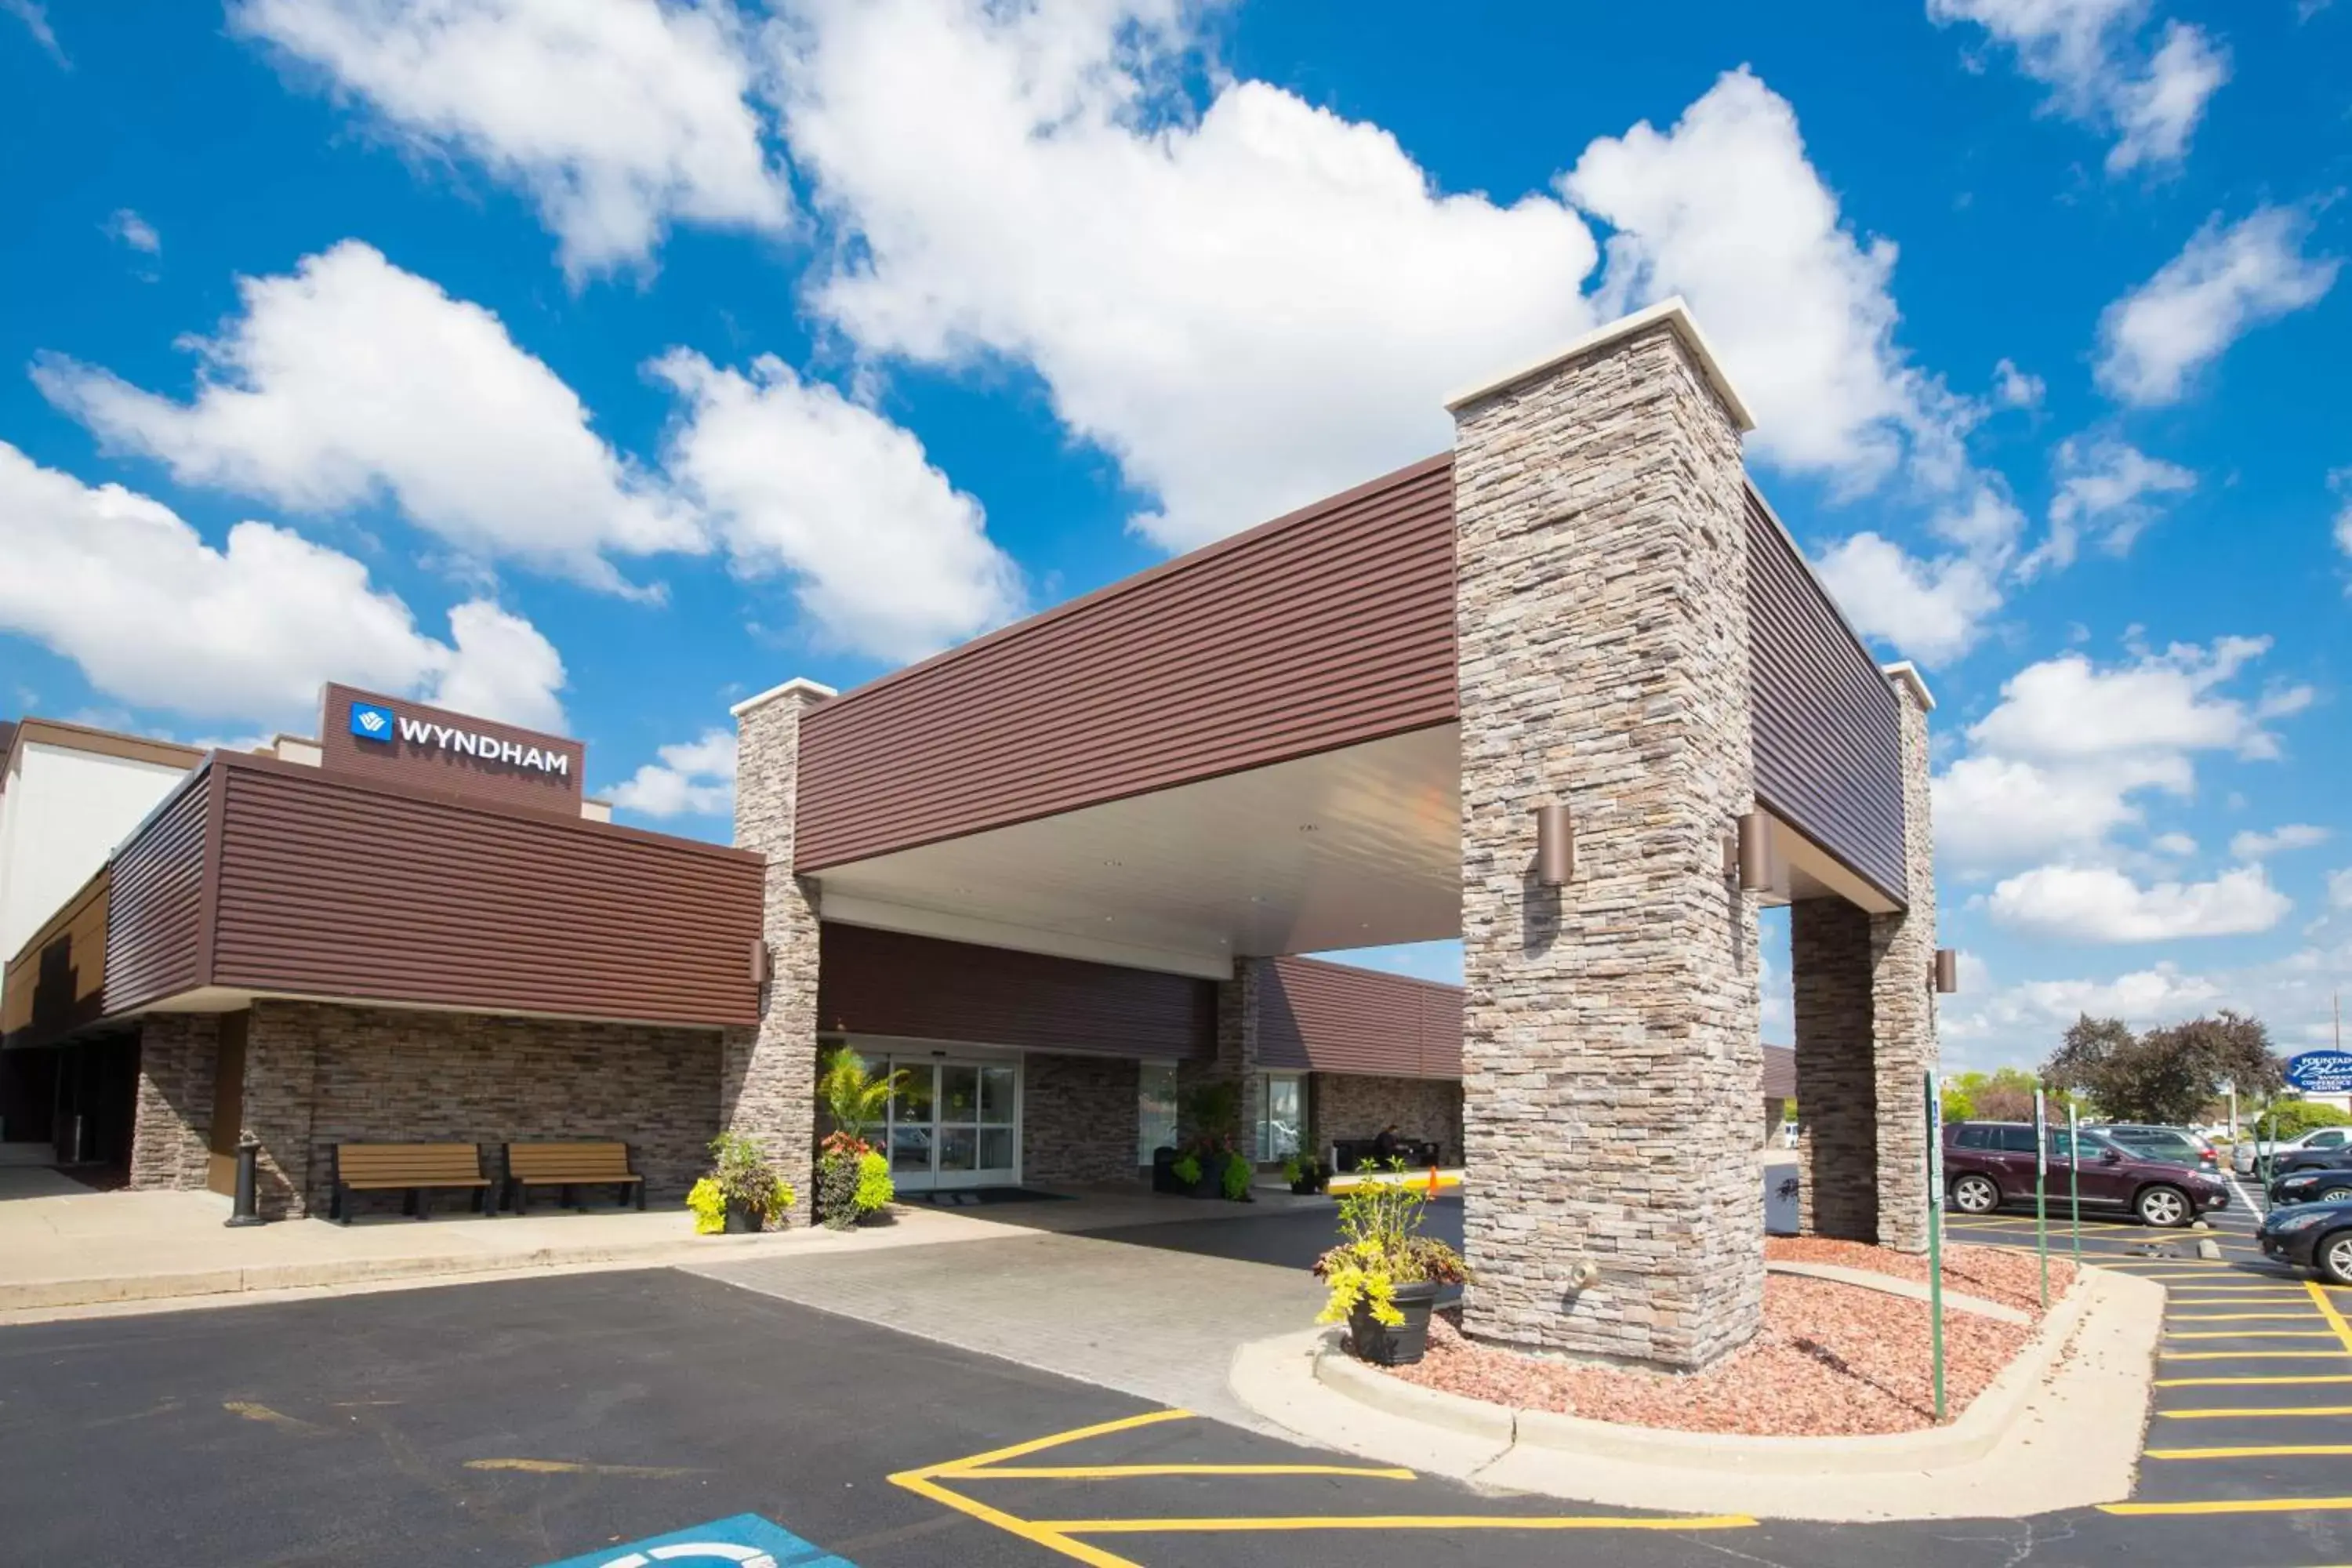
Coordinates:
(374, 721)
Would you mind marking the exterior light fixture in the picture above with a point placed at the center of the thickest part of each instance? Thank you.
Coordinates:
(1947, 969)
(1555, 845)
(761, 967)
(1755, 851)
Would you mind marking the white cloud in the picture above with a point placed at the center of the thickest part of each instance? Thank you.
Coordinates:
(2339, 889)
(693, 778)
(2176, 844)
(2063, 761)
(2035, 1012)
(351, 379)
(2014, 388)
(888, 557)
(1249, 307)
(617, 119)
(131, 229)
(2224, 283)
(1726, 210)
(1932, 610)
(153, 615)
(2107, 484)
(2101, 904)
(2341, 482)
(2095, 58)
(2288, 836)
(36, 17)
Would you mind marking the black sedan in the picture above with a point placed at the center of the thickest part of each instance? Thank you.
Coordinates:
(2330, 1184)
(2312, 1236)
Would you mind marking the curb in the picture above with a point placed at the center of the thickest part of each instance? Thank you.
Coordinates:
(2059, 1427)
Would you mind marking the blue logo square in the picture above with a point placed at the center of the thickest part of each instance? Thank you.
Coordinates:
(746, 1541)
(372, 722)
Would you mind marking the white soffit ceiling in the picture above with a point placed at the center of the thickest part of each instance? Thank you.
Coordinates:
(1348, 848)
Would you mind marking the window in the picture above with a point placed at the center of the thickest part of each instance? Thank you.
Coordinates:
(1973, 1138)
(1155, 1110)
(2016, 1139)
(1282, 1121)
(2328, 1139)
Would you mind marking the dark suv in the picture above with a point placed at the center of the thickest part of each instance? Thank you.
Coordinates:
(1989, 1163)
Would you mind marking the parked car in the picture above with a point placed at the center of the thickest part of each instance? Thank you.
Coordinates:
(1989, 1163)
(2318, 1141)
(2317, 1236)
(2175, 1143)
(2329, 1183)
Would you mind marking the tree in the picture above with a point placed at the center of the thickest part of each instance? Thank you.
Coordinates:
(2004, 1095)
(2165, 1074)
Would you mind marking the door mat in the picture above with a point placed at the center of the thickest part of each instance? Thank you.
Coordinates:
(975, 1197)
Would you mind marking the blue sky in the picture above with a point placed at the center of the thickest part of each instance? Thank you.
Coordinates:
(595, 365)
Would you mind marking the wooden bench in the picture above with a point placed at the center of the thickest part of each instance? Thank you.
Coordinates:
(569, 1166)
(414, 1169)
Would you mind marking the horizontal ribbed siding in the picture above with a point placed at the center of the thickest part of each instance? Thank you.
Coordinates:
(154, 921)
(1323, 629)
(1332, 1017)
(1828, 738)
(918, 987)
(332, 887)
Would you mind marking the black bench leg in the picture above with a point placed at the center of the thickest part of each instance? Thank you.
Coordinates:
(641, 1197)
(569, 1198)
(413, 1207)
(339, 1205)
(482, 1201)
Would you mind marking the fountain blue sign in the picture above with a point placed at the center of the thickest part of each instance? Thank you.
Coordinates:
(2321, 1072)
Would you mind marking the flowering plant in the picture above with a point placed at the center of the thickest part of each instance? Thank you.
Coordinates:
(1381, 1247)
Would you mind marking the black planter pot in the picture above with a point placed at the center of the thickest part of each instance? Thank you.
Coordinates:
(743, 1220)
(1402, 1345)
(1306, 1188)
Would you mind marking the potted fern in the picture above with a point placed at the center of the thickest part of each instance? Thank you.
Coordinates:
(853, 1177)
(1385, 1277)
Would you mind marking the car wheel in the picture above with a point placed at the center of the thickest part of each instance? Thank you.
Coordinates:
(2163, 1207)
(1975, 1195)
(2334, 1256)
(2337, 1196)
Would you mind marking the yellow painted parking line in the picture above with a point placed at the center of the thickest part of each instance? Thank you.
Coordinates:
(2249, 1505)
(920, 1483)
(2251, 1355)
(2244, 1382)
(1396, 1521)
(2278, 1451)
(2238, 1318)
(2327, 1310)
(1126, 1472)
(2253, 1334)
(2254, 1412)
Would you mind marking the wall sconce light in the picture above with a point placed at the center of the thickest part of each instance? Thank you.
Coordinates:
(761, 969)
(1755, 851)
(1555, 845)
(1948, 971)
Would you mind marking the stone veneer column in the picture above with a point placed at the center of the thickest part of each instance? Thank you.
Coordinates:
(281, 1081)
(171, 1125)
(1236, 1061)
(1609, 1024)
(1830, 961)
(1903, 992)
(767, 1084)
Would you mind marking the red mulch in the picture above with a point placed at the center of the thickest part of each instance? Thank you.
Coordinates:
(2009, 1275)
(1832, 1359)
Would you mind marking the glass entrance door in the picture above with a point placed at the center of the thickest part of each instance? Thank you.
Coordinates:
(954, 1124)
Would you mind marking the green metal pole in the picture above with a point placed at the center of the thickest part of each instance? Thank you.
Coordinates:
(2041, 1189)
(2074, 1177)
(1935, 1237)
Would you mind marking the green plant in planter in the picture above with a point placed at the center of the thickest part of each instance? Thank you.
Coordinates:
(709, 1205)
(1292, 1171)
(854, 1097)
(745, 1180)
(1381, 1249)
(1186, 1168)
(875, 1187)
(1235, 1179)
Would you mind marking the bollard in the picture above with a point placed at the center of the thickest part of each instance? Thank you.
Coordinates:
(242, 1211)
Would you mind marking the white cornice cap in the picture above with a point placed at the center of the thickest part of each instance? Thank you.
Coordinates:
(799, 686)
(1906, 673)
(1673, 313)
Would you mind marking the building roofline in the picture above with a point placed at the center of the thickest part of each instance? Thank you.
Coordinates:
(69, 737)
(1671, 312)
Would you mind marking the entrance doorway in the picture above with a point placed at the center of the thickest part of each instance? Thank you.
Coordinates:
(954, 1123)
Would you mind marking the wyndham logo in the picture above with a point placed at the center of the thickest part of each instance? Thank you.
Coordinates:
(371, 722)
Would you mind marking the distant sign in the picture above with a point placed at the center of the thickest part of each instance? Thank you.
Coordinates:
(746, 1541)
(2321, 1072)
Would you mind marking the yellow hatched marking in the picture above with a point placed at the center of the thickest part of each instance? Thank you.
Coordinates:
(2254, 1413)
(2249, 1355)
(2327, 1310)
(1123, 1472)
(2243, 1381)
(920, 1483)
(1393, 1521)
(2254, 1335)
(2279, 1451)
(2238, 1318)
(2250, 1504)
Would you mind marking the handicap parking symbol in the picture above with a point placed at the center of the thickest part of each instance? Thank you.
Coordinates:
(746, 1541)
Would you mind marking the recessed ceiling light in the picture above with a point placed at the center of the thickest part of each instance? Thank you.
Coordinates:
(1306, 827)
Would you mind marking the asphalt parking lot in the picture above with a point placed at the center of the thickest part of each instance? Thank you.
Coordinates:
(579, 1419)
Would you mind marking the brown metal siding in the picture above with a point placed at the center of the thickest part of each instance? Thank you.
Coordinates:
(156, 917)
(1328, 627)
(1333, 1017)
(918, 987)
(329, 887)
(56, 983)
(398, 762)
(1829, 741)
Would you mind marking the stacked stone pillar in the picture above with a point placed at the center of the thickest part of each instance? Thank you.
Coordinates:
(1236, 1061)
(1837, 1075)
(1903, 993)
(767, 1087)
(1610, 1024)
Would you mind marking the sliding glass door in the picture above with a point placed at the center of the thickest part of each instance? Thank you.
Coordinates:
(954, 1124)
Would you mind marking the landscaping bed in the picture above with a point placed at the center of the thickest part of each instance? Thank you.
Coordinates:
(2009, 1275)
(1832, 1359)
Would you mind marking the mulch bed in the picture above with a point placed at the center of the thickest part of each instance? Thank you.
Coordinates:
(2000, 1274)
(1832, 1359)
